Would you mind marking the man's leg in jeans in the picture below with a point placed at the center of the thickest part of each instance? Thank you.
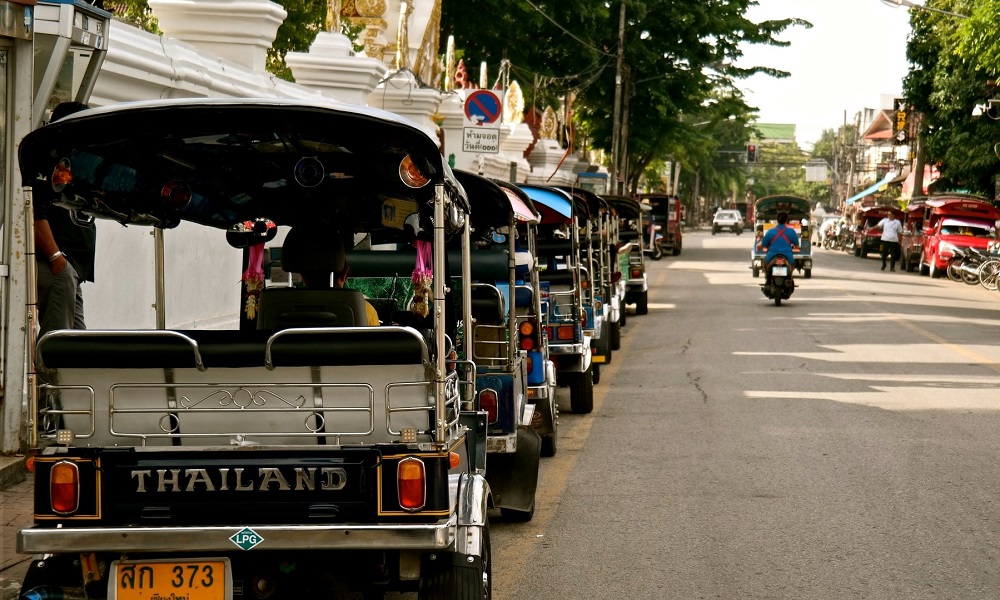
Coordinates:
(57, 298)
(883, 252)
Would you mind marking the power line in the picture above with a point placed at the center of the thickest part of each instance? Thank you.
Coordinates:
(564, 30)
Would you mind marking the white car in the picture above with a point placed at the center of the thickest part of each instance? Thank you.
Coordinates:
(728, 220)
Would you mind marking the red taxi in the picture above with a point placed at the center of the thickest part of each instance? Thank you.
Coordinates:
(955, 222)
(868, 236)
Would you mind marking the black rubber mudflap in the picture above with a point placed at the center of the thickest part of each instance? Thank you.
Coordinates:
(451, 576)
(513, 478)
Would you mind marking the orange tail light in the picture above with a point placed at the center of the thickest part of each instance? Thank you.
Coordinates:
(411, 481)
(526, 340)
(410, 174)
(64, 488)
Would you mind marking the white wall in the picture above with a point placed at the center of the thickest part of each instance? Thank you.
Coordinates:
(202, 274)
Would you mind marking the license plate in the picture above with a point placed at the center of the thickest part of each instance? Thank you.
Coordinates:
(209, 579)
(779, 271)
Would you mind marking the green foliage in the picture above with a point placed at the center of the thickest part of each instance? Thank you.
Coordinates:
(305, 19)
(678, 55)
(953, 62)
(136, 12)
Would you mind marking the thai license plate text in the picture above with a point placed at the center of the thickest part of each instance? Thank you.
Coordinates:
(171, 580)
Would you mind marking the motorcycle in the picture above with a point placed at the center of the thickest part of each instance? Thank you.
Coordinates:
(778, 284)
(966, 264)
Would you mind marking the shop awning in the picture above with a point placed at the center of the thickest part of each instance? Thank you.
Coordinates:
(871, 190)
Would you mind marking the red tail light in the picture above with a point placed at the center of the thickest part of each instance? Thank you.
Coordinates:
(175, 194)
(64, 488)
(411, 481)
(565, 332)
(636, 273)
(526, 339)
(488, 400)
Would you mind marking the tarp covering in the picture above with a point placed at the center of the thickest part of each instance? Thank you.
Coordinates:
(871, 190)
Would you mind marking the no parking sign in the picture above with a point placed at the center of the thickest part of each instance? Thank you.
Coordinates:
(483, 115)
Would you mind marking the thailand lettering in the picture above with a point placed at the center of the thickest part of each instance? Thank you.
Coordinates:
(223, 479)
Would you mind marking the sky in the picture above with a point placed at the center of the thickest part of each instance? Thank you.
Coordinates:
(853, 55)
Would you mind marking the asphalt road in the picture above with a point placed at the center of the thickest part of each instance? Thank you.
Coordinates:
(842, 445)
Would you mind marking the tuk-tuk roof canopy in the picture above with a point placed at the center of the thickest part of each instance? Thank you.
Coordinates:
(555, 205)
(628, 208)
(588, 200)
(218, 162)
(768, 207)
(963, 204)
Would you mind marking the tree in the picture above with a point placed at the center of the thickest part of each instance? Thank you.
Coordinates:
(951, 72)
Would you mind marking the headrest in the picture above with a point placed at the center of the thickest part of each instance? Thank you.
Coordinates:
(313, 249)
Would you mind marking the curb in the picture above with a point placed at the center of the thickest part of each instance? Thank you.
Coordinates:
(12, 470)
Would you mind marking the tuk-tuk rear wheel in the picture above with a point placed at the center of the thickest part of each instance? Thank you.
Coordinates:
(641, 304)
(581, 392)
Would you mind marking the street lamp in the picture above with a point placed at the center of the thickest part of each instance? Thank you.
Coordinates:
(908, 4)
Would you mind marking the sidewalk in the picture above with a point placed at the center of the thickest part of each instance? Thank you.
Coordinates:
(16, 491)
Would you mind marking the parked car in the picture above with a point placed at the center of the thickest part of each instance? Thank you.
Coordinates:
(727, 220)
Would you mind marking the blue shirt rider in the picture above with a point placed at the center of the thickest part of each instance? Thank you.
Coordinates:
(780, 239)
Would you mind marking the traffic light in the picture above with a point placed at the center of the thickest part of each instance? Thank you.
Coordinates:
(751, 153)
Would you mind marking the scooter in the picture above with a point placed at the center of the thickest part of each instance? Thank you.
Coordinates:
(778, 284)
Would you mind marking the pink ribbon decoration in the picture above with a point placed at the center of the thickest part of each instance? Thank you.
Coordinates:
(253, 277)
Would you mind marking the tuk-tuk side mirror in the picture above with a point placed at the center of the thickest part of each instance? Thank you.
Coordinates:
(929, 231)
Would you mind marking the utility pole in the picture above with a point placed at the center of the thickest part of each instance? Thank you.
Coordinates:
(623, 146)
(616, 118)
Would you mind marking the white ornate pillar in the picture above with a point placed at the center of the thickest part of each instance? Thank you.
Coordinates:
(240, 31)
(331, 67)
(401, 93)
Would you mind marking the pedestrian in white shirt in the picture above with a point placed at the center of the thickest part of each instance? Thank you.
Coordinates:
(891, 230)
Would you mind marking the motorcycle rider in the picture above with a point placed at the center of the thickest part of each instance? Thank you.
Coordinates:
(826, 230)
(779, 240)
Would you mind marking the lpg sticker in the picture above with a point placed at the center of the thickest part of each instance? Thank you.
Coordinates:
(246, 538)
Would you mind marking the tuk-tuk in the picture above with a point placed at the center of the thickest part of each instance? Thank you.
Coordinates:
(664, 221)
(601, 258)
(562, 280)
(766, 216)
(867, 234)
(911, 243)
(953, 221)
(528, 304)
(630, 255)
(500, 340)
(305, 451)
